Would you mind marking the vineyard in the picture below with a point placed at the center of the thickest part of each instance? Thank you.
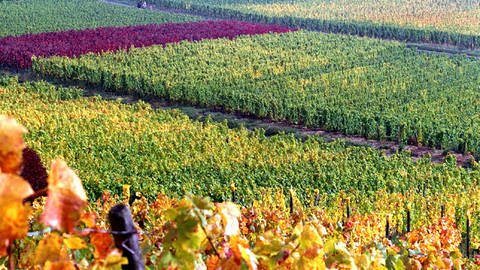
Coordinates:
(17, 52)
(207, 158)
(445, 22)
(34, 16)
(376, 89)
(97, 171)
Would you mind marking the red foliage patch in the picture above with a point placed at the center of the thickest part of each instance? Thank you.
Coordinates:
(16, 52)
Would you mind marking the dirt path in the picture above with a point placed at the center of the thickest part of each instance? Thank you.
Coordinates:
(271, 127)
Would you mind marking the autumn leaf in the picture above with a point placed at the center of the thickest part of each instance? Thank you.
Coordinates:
(14, 187)
(74, 243)
(103, 243)
(230, 215)
(64, 265)
(51, 249)
(249, 257)
(66, 198)
(14, 215)
(11, 145)
(113, 261)
(14, 222)
(89, 219)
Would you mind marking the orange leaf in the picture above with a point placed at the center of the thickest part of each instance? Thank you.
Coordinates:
(14, 187)
(14, 222)
(11, 145)
(14, 215)
(64, 265)
(66, 198)
(103, 243)
(212, 262)
(89, 219)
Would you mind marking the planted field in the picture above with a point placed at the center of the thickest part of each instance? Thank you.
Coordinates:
(35, 16)
(17, 52)
(111, 144)
(206, 196)
(376, 89)
(451, 22)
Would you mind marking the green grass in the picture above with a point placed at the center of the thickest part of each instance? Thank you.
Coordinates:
(34, 16)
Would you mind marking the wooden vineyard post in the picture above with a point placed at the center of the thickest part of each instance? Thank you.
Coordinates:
(234, 193)
(348, 208)
(409, 219)
(317, 197)
(387, 228)
(291, 202)
(468, 235)
(126, 237)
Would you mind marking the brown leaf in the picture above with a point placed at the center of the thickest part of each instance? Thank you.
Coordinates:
(11, 145)
(66, 198)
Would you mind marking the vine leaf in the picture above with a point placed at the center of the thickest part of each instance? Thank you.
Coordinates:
(74, 243)
(11, 145)
(103, 243)
(66, 198)
(51, 253)
(230, 215)
(14, 215)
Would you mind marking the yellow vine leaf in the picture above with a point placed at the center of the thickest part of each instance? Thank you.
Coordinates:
(51, 252)
(14, 215)
(11, 145)
(74, 243)
(113, 261)
(230, 215)
(249, 257)
(64, 265)
(66, 198)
